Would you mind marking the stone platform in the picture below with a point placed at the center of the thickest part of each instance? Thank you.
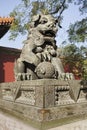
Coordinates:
(9, 122)
(45, 103)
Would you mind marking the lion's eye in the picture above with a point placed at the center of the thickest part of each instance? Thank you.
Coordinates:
(43, 21)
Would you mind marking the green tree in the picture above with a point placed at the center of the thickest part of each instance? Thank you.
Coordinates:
(27, 8)
(78, 31)
(75, 60)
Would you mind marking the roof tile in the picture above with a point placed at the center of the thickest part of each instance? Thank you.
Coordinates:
(6, 20)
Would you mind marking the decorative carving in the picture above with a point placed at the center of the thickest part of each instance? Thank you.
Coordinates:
(74, 90)
(45, 70)
(9, 90)
(62, 96)
(39, 50)
(27, 97)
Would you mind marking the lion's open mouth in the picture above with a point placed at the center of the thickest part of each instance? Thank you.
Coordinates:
(49, 33)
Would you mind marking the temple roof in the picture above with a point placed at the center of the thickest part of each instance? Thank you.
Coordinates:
(5, 24)
(9, 50)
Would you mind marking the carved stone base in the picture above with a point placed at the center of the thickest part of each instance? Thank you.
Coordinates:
(45, 102)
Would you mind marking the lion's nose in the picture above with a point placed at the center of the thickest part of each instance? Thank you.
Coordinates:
(51, 25)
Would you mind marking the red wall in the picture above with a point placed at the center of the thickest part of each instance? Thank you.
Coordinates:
(7, 66)
(7, 58)
(77, 73)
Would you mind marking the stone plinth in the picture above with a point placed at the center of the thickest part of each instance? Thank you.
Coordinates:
(45, 103)
(9, 122)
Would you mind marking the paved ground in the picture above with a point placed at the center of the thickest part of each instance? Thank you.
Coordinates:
(10, 123)
(80, 125)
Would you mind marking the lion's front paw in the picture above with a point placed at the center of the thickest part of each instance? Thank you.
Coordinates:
(66, 76)
(23, 76)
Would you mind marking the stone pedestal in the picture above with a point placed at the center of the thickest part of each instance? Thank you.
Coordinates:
(45, 103)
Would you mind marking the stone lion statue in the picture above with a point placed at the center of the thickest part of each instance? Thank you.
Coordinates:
(39, 58)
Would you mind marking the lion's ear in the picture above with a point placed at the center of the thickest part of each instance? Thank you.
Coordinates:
(56, 20)
(36, 18)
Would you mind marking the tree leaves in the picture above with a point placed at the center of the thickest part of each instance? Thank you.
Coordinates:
(27, 8)
(78, 31)
(75, 60)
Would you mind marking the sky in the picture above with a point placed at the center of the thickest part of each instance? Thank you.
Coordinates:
(71, 15)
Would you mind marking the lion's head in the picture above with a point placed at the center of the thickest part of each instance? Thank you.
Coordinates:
(45, 24)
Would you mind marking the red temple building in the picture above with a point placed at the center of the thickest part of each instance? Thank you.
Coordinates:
(5, 24)
(7, 58)
(7, 55)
